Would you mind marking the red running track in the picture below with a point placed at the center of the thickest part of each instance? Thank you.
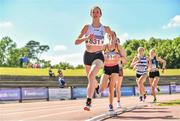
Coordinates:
(72, 110)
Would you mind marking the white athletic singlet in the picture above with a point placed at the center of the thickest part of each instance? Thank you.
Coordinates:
(99, 36)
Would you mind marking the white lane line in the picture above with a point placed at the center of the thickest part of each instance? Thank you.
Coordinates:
(34, 105)
(53, 104)
(28, 104)
(117, 112)
(27, 109)
(49, 109)
(59, 113)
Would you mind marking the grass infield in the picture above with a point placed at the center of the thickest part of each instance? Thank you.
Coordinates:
(170, 103)
(69, 72)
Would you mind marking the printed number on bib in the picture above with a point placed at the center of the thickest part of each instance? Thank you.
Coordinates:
(95, 42)
(141, 68)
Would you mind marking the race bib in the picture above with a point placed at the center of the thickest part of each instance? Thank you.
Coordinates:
(97, 41)
(141, 68)
(110, 55)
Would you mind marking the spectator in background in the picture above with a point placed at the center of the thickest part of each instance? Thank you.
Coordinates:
(21, 62)
(61, 78)
(51, 74)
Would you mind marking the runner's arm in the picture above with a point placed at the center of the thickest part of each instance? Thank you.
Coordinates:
(163, 62)
(108, 30)
(80, 38)
(123, 54)
(149, 64)
(134, 62)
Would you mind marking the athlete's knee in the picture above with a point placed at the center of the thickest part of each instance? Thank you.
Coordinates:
(92, 82)
(111, 90)
(118, 86)
(150, 84)
(139, 82)
(156, 81)
(99, 63)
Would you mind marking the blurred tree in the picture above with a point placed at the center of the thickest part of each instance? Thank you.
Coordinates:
(6, 46)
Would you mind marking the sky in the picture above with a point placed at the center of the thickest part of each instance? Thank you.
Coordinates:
(57, 23)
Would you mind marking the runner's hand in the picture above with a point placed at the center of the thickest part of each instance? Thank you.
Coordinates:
(91, 37)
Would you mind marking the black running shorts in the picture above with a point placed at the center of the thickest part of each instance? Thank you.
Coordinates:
(108, 70)
(139, 75)
(90, 57)
(154, 74)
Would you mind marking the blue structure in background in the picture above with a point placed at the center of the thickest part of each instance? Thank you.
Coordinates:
(79, 92)
(20, 94)
(23, 60)
(127, 91)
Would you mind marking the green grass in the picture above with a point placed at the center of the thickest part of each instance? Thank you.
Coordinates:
(170, 103)
(68, 72)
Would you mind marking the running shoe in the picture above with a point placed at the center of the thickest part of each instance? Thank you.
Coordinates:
(111, 107)
(88, 105)
(145, 95)
(111, 111)
(118, 104)
(141, 98)
(97, 90)
(155, 100)
(87, 108)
